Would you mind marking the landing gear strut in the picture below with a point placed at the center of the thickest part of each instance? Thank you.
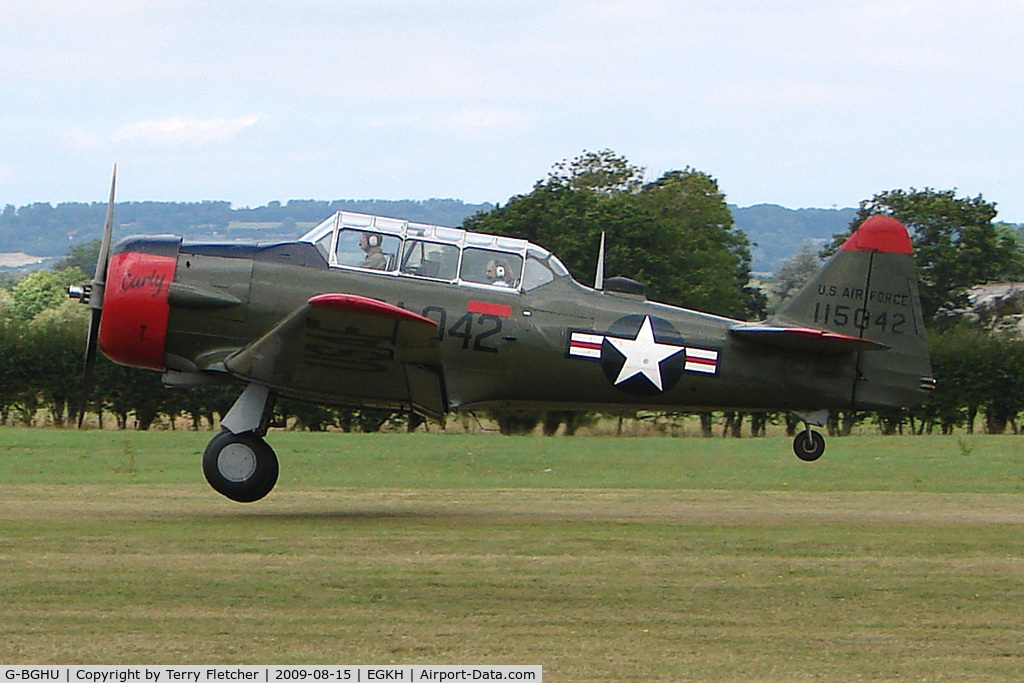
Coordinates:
(809, 445)
(238, 463)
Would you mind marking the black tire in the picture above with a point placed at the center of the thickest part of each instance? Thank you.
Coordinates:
(242, 467)
(808, 445)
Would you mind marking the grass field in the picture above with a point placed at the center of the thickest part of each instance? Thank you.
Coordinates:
(598, 558)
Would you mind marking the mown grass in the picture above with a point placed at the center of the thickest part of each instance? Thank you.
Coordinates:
(976, 464)
(598, 558)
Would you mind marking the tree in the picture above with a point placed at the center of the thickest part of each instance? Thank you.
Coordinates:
(794, 273)
(975, 372)
(81, 256)
(956, 244)
(125, 390)
(605, 172)
(54, 341)
(12, 366)
(710, 259)
(675, 235)
(43, 289)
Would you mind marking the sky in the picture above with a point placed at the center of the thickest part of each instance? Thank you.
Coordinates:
(800, 103)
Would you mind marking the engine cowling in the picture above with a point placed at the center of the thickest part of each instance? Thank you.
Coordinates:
(133, 326)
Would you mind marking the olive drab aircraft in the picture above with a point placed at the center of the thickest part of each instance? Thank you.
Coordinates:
(379, 312)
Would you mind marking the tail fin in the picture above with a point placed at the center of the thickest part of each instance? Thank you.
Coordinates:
(865, 300)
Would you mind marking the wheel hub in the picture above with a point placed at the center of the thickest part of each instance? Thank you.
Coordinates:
(236, 463)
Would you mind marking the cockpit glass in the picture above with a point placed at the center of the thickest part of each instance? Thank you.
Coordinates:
(489, 267)
(431, 251)
(364, 249)
(323, 245)
(557, 267)
(536, 273)
(430, 259)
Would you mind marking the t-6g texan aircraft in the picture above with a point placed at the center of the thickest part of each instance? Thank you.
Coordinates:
(372, 311)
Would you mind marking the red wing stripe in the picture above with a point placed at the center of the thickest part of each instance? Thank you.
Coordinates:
(353, 303)
(500, 310)
(822, 334)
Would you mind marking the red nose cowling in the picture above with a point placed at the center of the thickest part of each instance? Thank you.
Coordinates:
(133, 326)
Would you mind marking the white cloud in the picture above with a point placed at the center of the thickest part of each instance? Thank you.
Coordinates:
(84, 139)
(485, 119)
(800, 102)
(182, 130)
(466, 122)
(391, 120)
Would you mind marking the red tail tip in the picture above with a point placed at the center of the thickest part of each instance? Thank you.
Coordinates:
(880, 233)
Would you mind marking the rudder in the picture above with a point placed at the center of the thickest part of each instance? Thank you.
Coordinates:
(868, 290)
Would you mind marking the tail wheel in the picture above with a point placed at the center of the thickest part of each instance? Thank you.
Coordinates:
(242, 467)
(808, 445)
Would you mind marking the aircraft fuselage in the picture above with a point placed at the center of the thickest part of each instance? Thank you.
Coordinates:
(368, 311)
(559, 345)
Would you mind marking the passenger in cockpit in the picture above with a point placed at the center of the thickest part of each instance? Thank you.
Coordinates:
(376, 259)
(497, 273)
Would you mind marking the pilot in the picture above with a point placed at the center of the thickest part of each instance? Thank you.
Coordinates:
(376, 259)
(497, 272)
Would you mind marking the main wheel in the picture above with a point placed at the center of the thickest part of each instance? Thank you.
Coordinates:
(808, 445)
(240, 466)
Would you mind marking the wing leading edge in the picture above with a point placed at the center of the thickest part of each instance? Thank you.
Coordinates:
(344, 349)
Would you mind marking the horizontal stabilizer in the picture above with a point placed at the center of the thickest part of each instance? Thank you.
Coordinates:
(805, 339)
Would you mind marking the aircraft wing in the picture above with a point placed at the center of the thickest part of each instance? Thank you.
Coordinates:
(805, 338)
(343, 349)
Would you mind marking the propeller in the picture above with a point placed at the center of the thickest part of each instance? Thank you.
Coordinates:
(92, 294)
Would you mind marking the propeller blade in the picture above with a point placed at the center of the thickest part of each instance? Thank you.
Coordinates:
(101, 262)
(99, 281)
(90, 363)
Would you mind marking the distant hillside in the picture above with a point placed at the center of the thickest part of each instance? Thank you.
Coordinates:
(778, 232)
(44, 230)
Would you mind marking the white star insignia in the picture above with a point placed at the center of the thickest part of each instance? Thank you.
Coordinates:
(643, 355)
